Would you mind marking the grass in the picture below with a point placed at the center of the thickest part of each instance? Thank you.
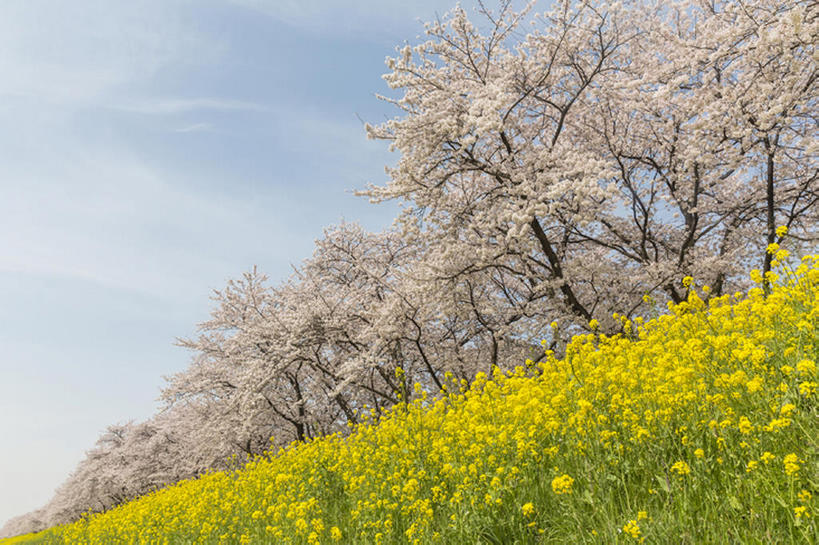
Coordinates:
(698, 426)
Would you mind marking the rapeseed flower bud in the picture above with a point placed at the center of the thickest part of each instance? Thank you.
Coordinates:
(593, 324)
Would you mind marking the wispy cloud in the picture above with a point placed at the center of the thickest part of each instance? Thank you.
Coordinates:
(368, 15)
(165, 106)
(105, 216)
(196, 127)
(74, 52)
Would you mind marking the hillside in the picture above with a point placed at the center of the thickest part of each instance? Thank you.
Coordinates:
(697, 426)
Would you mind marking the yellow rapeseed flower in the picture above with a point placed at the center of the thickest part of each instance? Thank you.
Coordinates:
(562, 484)
(806, 367)
(681, 468)
(632, 529)
(791, 463)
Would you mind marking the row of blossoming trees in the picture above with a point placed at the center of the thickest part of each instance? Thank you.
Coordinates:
(553, 166)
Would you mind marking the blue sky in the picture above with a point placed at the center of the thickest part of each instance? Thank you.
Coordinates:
(149, 151)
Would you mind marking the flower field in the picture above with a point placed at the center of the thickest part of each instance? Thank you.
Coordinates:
(697, 426)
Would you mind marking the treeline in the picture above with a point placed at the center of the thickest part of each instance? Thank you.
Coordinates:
(551, 175)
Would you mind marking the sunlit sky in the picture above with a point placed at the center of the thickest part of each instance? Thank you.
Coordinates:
(150, 151)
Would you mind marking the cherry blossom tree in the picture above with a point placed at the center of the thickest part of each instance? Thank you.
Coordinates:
(128, 460)
(352, 331)
(607, 153)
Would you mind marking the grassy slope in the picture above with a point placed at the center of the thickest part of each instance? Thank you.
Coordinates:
(696, 427)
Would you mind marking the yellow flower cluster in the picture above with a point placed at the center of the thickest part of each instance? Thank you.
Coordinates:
(791, 462)
(632, 529)
(688, 410)
(681, 468)
(562, 484)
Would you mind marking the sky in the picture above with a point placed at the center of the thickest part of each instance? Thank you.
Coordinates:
(149, 152)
